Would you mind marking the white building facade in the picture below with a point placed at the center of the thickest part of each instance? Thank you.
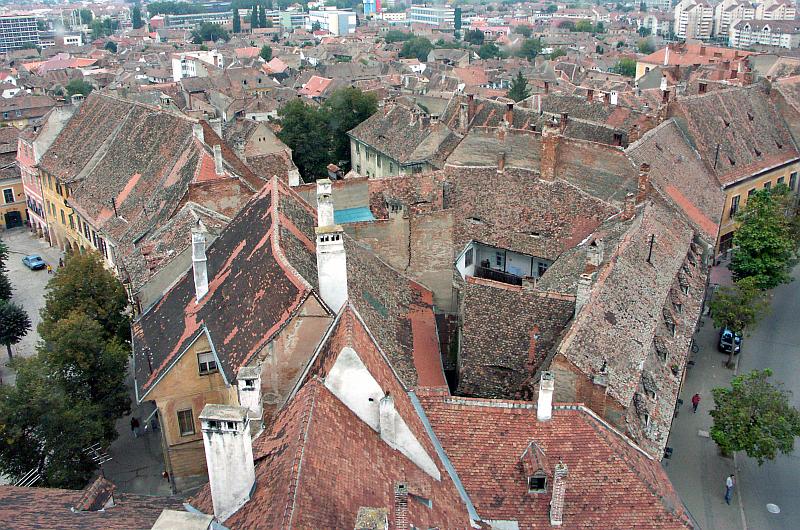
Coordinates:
(694, 19)
(437, 16)
(780, 33)
(335, 21)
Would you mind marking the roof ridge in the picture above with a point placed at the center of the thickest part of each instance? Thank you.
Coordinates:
(297, 465)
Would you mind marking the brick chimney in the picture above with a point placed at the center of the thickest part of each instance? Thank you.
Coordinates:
(560, 473)
(199, 265)
(218, 169)
(501, 161)
(324, 202)
(583, 292)
(229, 457)
(400, 506)
(546, 87)
(463, 117)
(630, 207)
(544, 407)
(589, 94)
(643, 183)
(562, 124)
(594, 252)
(509, 115)
(550, 141)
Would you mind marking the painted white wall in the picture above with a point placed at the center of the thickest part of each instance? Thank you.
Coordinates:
(229, 457)
(351, 382)
(199, 262)
(332, 266)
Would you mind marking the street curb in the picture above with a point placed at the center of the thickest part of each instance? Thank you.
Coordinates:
(736, 462)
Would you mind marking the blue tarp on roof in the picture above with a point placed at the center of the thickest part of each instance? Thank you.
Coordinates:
(352, 215)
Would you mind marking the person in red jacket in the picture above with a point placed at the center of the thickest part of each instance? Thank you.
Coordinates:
(695, 402)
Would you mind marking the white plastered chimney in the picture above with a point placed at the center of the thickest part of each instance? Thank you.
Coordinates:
(544, 407)
(199, 260)
(324, 202)
(229, 457)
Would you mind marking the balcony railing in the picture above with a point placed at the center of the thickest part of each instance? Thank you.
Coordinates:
(498, 276)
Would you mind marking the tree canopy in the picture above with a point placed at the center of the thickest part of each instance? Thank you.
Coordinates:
(765, 240)
(136, 17)
(397, 36)
(174, 8)
(524, 30)
(489, 50)
(237, 21)
(266, 52)
(474, 36)
(418, 47)
(79, 86)
(530, 48)
(208, 31)
(754, 416)
(625, 66)
(111, 46)
(14, 324)
(318, 136)
(519, 88)
(5, 283)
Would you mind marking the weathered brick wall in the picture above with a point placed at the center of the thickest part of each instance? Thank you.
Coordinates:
(508, 332)
(388, 238)
(421, 189)
(432, 255)
(573, 386)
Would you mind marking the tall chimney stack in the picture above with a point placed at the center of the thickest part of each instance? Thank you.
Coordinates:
(550, 140)
(197, 131)
(643, 183)
(229, 457)
(199, 265)
(218, 169)
(387, 420)
(583, 292)
(509, 115)
(594, 252)
(332, 266)
(248, 384)
(629, 210)
(560, 473)
(544, 407)
(324, 202)
(400, 506)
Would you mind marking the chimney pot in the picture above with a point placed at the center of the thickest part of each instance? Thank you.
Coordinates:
(218, 168)
(544, 407)
(325, 206)
(583, 292)
(248, 382)
(630, 207)
(199, 264)
(229, 457)
(509, 117)
(560, 473)
(550, 141)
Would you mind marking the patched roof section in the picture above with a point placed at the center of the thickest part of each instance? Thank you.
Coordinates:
(678, 172)
(468, 429)
(738, 132)
(254, 289)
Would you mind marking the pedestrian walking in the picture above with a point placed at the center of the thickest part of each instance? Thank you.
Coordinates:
(49, 269)
(729, 484)
(135, 427)
(60, 262)
(695, 402)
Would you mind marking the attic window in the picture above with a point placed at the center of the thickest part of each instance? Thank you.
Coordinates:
(758, 153)
(475, 220)
(731, 160)
(534, 234)
(702, 88)
(249, 383)
(537, 483)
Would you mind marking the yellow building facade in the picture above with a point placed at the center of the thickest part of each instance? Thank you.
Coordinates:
(736, 196)
(12, 202)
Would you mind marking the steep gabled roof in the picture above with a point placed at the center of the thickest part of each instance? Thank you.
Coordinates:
(260, 270)
(610, 483)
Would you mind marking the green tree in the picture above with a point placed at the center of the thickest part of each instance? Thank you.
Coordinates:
(519, 88)
(315, 26)
(5, 283)
(237, 21)
(305, 130)
(86, 16)
(584, 26)
(645, 46)
(254, 16)
(397, 36)
(14, 324)
(643, 31)
(524, 30)
(567, 25)
(208, 31)
(530, 48)
(111, 46)
(551, 8)
(84, 284)
(266, 52)
(346, 108)
(174, 8)
(418, 47)
(558, 52)
(136, 17)
(754, 416)
(79, 86)
(738, 307)
(474, 36)
(457, 19)
(625, 66)
(262, 17)
(764, 242)
(489, 50)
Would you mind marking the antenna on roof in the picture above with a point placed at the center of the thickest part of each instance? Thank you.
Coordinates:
(650, 253)
(114, 205)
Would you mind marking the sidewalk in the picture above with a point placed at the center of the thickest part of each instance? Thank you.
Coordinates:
(697, 469)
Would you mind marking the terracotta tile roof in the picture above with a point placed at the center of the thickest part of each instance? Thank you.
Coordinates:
(315, 86)
(678, 172)
(610, 482)
(738, 132)
(52, 509)
(318, 462)
(260, 269)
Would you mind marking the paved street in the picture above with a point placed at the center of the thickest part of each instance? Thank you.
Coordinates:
(29, 286)
(697, 469)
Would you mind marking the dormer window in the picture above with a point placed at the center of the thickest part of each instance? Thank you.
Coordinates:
(206, 362)
(537, 483)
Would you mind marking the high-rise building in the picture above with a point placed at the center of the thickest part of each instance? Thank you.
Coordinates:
(694, 19)
(18, 31)
(439, 16)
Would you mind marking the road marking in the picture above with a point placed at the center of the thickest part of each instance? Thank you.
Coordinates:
(773, 508)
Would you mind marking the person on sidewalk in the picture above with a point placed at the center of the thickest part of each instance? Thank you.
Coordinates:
(729, 483)
(695, 402)
(49, 269)
(135, 427)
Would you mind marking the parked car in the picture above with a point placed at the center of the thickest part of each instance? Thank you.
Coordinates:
(34, 262)
(729, 340)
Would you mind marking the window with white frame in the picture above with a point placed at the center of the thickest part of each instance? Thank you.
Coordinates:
(207, 363)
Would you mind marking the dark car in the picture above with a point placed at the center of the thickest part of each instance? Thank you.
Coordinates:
(34, 262)
(728, 340)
